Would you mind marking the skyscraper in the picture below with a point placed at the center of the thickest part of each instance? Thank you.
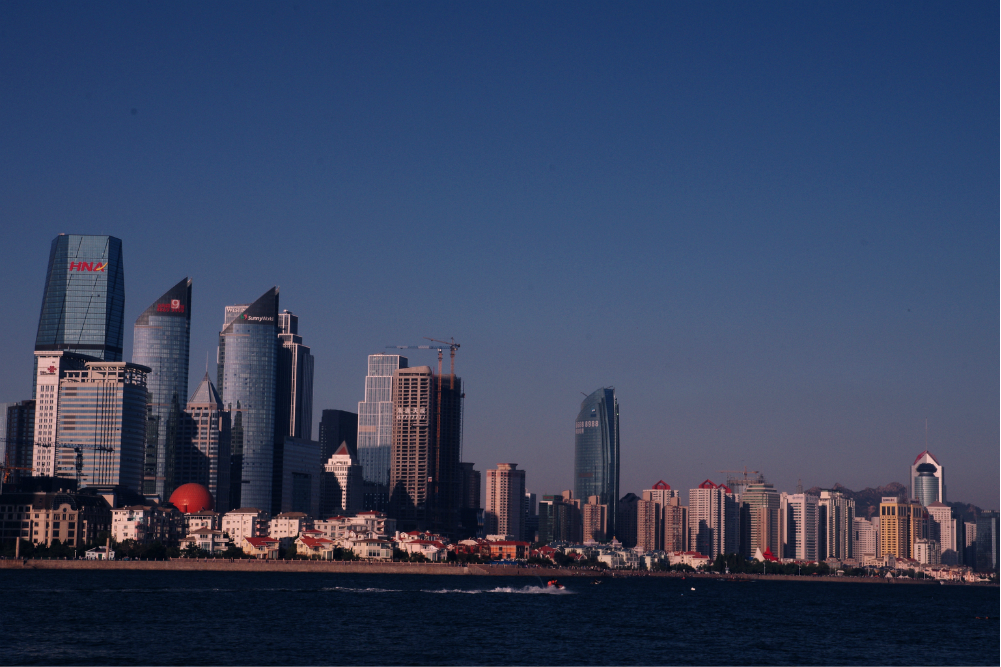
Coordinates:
(202, 454)
(247, 369)
(90, 420)
(344, 488)
(664, 497)
(596, 451)
(713, 519)
(504, 514)
(375, 419)
(835, 521)
(293, 398)
(927, 479)
(759, 520)
(83, 306)
(162, 336)
(337, 428)
(942, 529)
(801, 527)
(19, 434)
(425, 483)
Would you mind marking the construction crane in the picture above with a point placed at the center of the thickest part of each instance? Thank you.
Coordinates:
(740, 479)
(452, 347)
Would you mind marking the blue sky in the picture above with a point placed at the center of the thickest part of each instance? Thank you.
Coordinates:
(773, 228)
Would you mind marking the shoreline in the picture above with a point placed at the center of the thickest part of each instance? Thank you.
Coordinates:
(364, 567)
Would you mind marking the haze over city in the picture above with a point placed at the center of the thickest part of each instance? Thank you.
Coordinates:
(772, 229)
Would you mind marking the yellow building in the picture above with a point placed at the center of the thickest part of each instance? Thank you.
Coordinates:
(901, 524)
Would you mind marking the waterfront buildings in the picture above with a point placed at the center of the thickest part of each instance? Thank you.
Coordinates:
(927, 479)
(675, 522)
(19, 438)
(594, 520)
(926, 552)
(375, 425)
(343, 484)
(301, 471)
(146, 524)
(596, 451)
(426, 436)
(559, 518)
(714, 520)
(901, 523)
(161, 342)
(670, 524)
(504, 512)
(247, 368)
(835, 519)
(293, 399)
(83, 305)
(647, 525)
(202, 454)
(760, 519)
(865, 540)
(245, 522)
(337, 428)
(90, 420)
(470, 511)
(801, 527)
(75, 519)
(942, 529)
(987, 541)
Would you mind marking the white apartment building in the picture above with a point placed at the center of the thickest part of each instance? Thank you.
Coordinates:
(801, 526)
(372, 522)
(245, 522)
(289, 525)
(865, 537)
(146, 524)
(942, 529)
(927, 552)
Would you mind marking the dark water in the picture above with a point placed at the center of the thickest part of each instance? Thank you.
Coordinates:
(83, 617)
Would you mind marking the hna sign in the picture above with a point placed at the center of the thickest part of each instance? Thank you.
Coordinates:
(88, 266)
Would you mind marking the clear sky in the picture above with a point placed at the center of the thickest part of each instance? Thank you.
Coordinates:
(772, 227)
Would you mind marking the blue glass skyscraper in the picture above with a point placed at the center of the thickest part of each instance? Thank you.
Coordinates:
(247, 369)
(162, 336)
(596, 451)
(83, 306)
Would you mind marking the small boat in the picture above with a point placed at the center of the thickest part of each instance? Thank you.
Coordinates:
(596, 582)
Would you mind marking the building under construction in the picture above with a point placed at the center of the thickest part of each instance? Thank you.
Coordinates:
(425, 477)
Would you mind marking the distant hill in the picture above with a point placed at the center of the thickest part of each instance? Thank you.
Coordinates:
(867, 500)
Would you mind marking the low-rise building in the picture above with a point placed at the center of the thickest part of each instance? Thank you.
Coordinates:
(146, 524)
(314, 547)
(692, 559)
(433, 550)
(75, 519)
(371, 548)
(508, 550)
(100, 553)
(288, 525)
(260, 547)
(244, 522)
(204, 519)
(206, 539)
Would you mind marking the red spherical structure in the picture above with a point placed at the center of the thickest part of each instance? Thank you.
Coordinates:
(192, 498)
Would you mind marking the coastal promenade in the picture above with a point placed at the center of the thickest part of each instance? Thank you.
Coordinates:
(366, 567)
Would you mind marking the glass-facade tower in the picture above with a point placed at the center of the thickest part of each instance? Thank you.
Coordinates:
(162, 336)
(247, 369)
(596, 451)
(375, 417)
(83, 305)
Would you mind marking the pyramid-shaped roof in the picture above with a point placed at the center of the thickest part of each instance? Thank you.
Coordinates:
(206, 393)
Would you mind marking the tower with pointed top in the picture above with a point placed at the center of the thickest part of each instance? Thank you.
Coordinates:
(202, 455)
(161, 341)
(247, 369)
(343, 490)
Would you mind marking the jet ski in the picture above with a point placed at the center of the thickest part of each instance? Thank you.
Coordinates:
(554, 583)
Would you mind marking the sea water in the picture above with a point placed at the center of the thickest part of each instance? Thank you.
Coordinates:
(238, 618)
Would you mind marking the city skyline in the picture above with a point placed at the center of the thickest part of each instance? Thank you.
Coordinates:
(796, 236)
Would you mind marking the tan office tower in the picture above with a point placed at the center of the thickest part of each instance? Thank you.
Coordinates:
(503, 514)
(901, 524)
(425, 485)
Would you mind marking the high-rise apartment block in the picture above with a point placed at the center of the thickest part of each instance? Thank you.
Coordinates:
(800, 526)
(669, 523)
(90, 420)
(375, 418)
(927, 479)
(559, 518)
(835, 520)
(596, 451)
(83, 306)
(247, 369)
(594, 520)
(942, 529)
(161, 341)
(759, 520)
(504, 513)
(424, 470)
(19, 438)
(988, 541)
(713, 519)
(865, 537)
(202, 453)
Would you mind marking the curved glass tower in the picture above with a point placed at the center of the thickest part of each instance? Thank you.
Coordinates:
(247, 370)
(162, 336)
(83, 306)
(596, 451)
